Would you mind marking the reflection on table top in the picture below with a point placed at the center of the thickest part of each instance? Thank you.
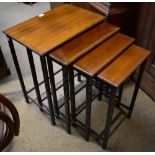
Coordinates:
(52, 28)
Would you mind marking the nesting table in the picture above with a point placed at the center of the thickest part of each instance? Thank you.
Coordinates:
(80, 42)
(44, 33)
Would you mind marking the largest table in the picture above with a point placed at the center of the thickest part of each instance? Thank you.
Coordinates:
(44, 33)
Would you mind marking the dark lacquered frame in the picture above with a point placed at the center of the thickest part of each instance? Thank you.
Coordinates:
(53, 109)
(28, 98)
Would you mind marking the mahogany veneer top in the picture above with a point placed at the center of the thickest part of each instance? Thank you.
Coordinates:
(105, 53)
(42, 34)
(124, 66)
(77, 47)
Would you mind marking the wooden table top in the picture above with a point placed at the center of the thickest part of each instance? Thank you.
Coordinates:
(45, 32)
(76, 48)
(97, 59)
(120, 69)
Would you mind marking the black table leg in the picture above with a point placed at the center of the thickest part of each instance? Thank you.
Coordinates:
(100, 91)
(140, 74)
(109, 117)
(88, 106)
(66, 99)
(34, 76)
(72, 94)
(48, 92)
(120, 92)
(53, 87)
(12, 49)
(79, 77)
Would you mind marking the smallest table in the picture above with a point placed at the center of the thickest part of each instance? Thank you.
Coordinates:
(115, 75)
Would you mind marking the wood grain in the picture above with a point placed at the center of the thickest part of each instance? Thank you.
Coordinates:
(117, 72)
(42, 34)
(71, 51)
(101, 56)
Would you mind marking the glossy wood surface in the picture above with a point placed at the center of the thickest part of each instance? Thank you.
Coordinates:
(46, 32)
(124, 65)
(77, 47)
(101, 56)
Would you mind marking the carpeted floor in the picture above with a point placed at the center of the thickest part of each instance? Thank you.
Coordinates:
(37, 133)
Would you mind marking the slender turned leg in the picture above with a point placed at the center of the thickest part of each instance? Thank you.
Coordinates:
(34, 76)
(120, 92)
(79, 77)
(52, 81)
(88, 107)
(107, 90)
(109, 117)
(100, 91)
(48, 92)
(12, 49)
(72, 94)
(66, 99)
(140, 74)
